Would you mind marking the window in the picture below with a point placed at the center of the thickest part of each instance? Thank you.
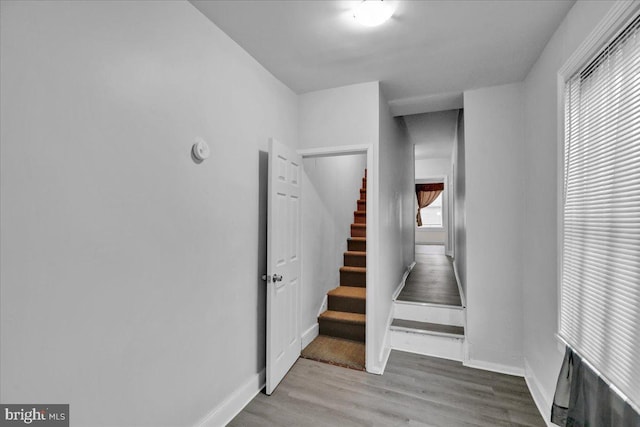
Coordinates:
(432, 214)
(600, 278)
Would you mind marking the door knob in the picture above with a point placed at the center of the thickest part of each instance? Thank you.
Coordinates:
(277, 278)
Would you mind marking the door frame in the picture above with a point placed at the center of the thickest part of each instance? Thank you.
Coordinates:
(446, 220)
(372, 238)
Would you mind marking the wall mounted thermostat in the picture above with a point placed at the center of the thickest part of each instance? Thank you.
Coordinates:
(200, 149)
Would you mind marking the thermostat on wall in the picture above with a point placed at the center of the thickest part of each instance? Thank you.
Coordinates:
(201, 149)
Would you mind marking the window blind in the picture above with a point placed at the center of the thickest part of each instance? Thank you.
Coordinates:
(600, 279)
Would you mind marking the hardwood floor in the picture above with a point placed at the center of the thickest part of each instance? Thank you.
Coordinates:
(414, 391)
(432, 280)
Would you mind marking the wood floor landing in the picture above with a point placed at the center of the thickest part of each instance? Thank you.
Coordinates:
(432, 280)
(414, 391)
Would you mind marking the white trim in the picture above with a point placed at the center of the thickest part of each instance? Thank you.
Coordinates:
(385, 351)
(384, 360)
(386, 345)
(371, 152)
(463, 298)
(494, 367)
(542, 402)
(325, 305)
(223, 413)
(309, 335)
(373, 208)
(613, 22)
(334, 151)
(430, 304)
(403, 281)
(426, 332)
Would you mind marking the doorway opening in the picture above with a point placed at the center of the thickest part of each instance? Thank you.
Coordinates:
(337, 250)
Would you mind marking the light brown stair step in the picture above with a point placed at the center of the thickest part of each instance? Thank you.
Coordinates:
(353, 276)
(363, 194)
(344, 317)
(349, 299)
(358, 230)
(362, 205)
(357, 244)
(355, 259)
(360, 217)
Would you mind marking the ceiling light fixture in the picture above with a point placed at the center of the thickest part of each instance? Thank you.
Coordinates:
(372, 12)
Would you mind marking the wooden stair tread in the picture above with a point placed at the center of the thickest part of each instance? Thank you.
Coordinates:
(358, 239)
(343, 317)
(426, 327)
(348, 269)
(359, 225)
(356, 253)
(349, 292)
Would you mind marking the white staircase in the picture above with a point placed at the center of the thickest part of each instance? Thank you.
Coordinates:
(430, 329)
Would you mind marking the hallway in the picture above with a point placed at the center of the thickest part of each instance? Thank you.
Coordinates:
(429, 311)
(432, 280)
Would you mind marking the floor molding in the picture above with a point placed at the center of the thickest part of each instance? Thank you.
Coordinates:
(542, 403)
(403, 281)
(222, 414)
(462, 296)
(386, 347)
(309, 335)
(494, 367)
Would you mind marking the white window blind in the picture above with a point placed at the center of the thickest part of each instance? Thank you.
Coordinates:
(600, 289)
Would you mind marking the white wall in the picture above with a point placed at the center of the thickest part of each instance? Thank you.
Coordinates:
(540, 254)
(459, 190)
(396, 217)
(494, 149)
(130, 274)
(357, 115)
(331, 189)
(346, 115)
(436, 168)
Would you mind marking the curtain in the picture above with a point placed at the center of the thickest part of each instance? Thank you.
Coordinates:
(584, 399)
(426, 194)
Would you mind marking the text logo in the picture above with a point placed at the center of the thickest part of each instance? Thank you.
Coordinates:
(34, 415)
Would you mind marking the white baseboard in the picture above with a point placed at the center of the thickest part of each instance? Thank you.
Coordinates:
(542, 402)
(494, 367)
(309, 335)
(325, 305)
(403, 281)
(385, 351)
(462, 296)
(222, 414)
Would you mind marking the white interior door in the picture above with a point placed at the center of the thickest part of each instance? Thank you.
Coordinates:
(283, 262)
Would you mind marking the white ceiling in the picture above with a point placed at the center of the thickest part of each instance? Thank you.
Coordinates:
(433, 133)
(427, 48)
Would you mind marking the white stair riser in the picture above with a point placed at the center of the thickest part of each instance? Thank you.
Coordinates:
(428, 345)
(429, 313)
